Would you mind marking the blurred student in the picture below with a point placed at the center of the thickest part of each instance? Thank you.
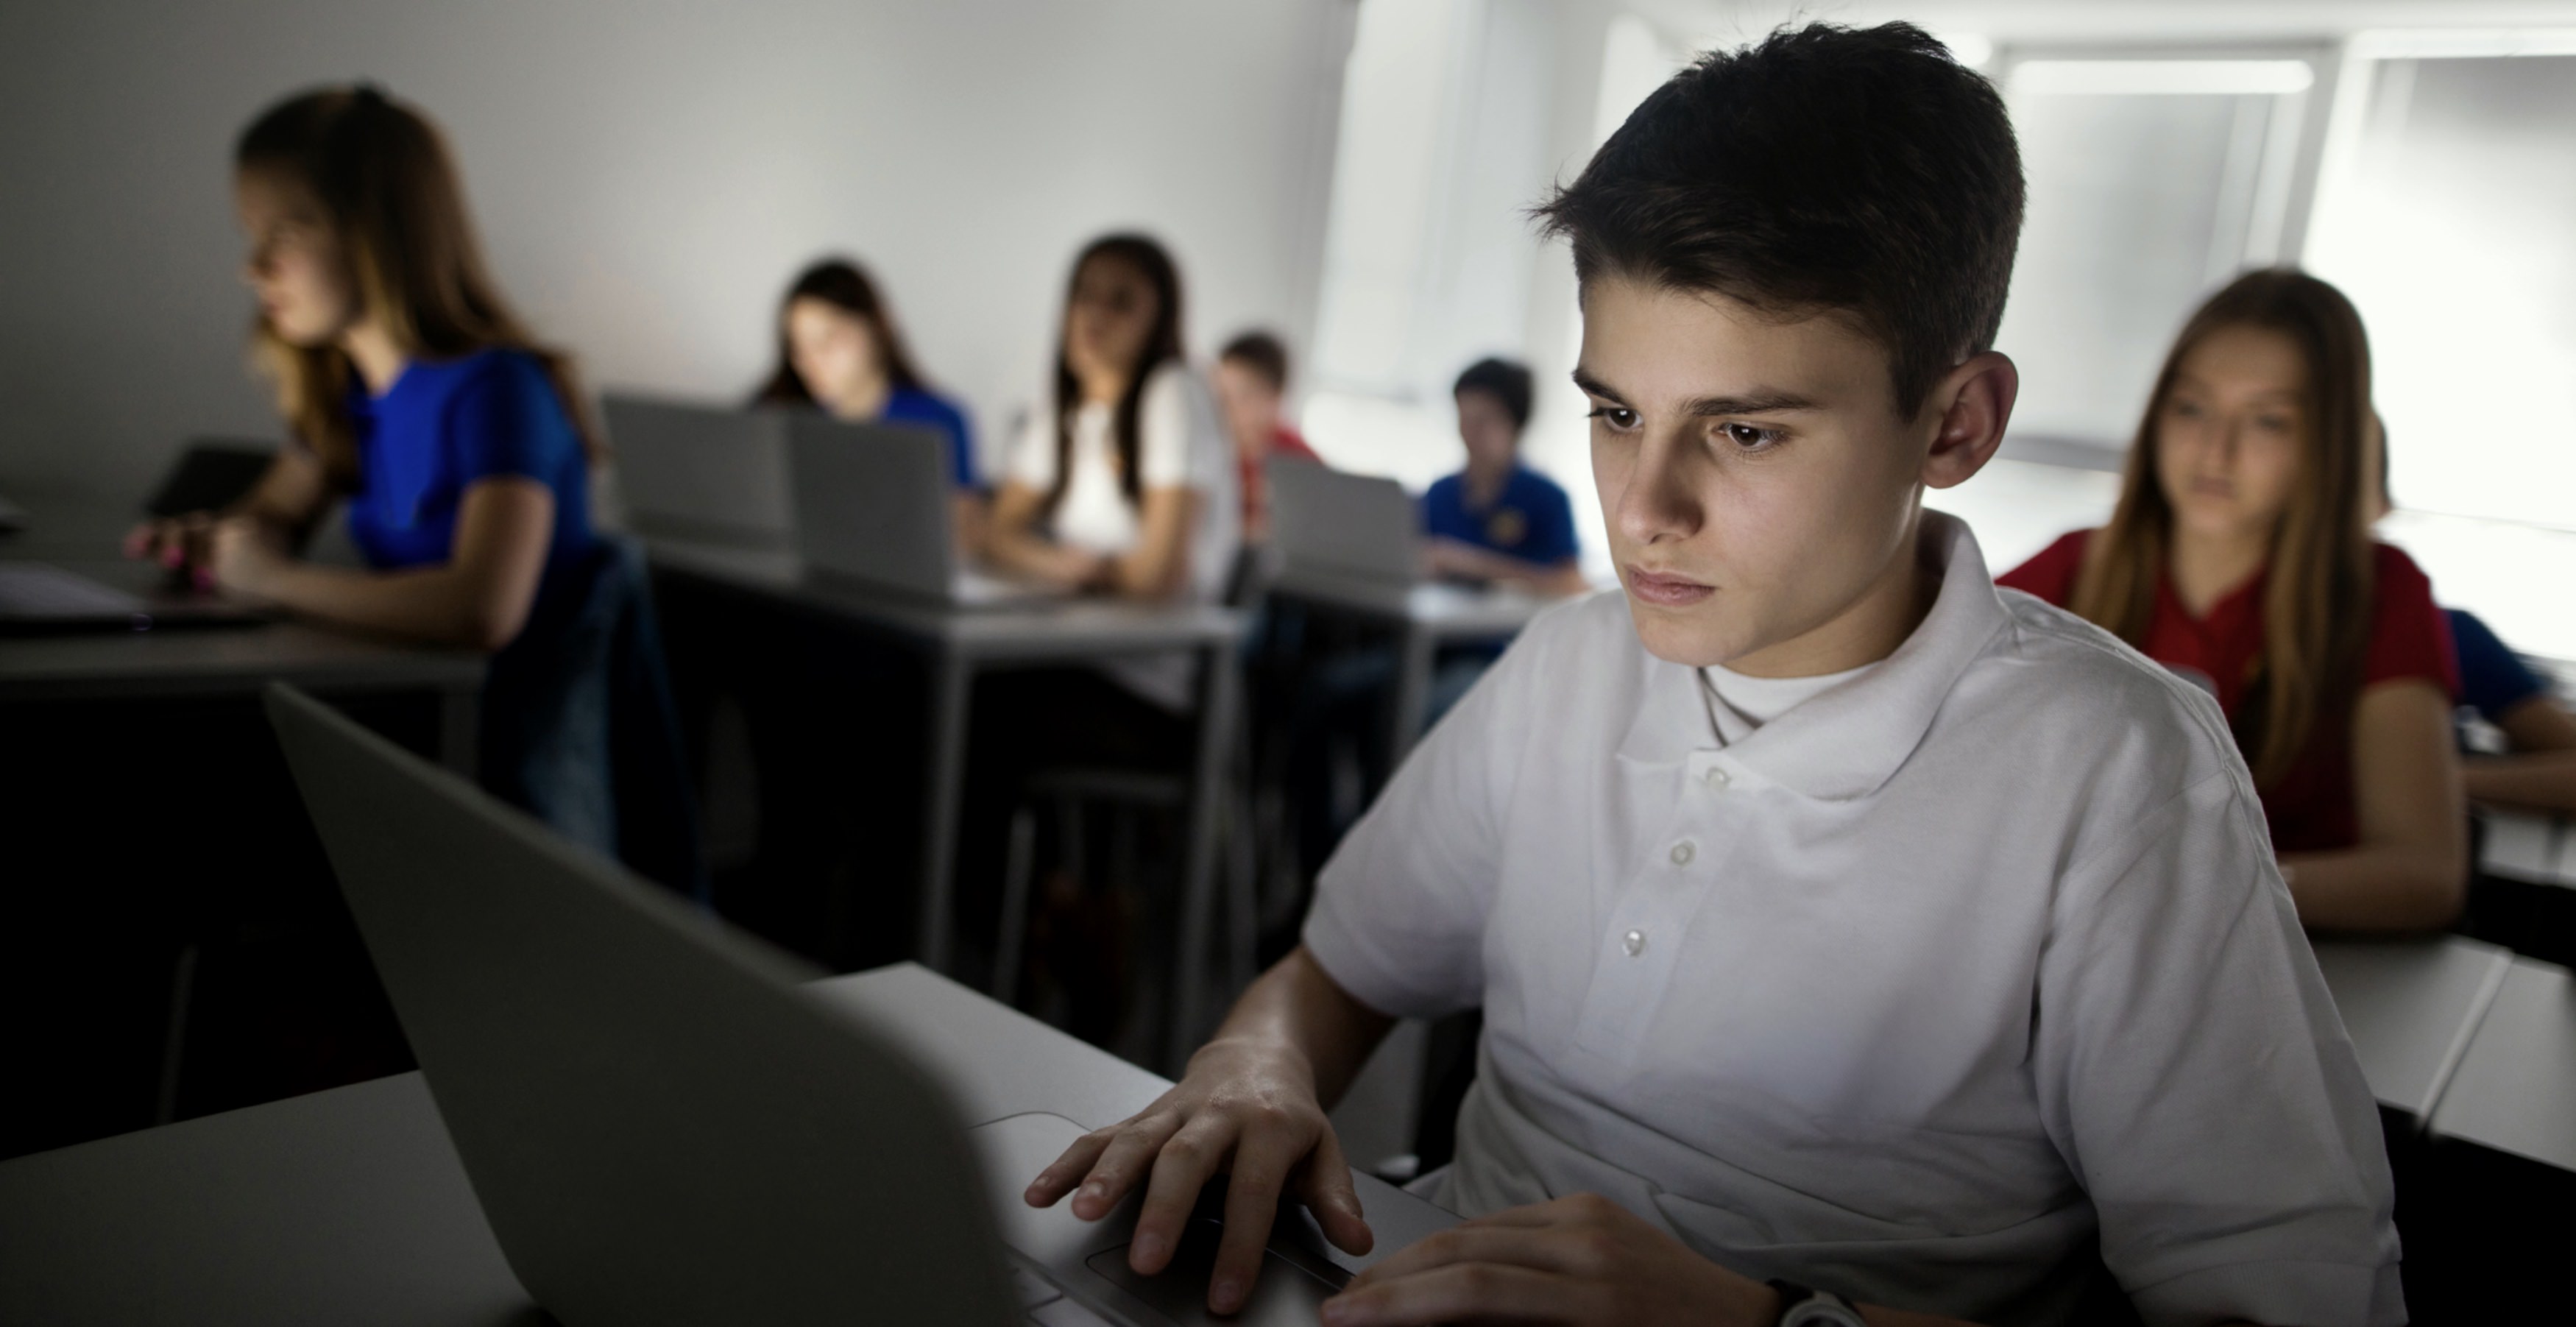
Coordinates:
(1252, 387)
(409, 388)
(414, 394)
(840, 351)
(2537, 769)
(2240, 555)
(1121, 483)
(1497, 521)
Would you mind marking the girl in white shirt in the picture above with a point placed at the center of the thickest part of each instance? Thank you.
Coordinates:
(1119, 485)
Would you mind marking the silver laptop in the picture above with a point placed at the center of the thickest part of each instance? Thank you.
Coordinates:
(662, 1128)
(1354, 525)
(40, 599)
(875, 504)
(701, 473)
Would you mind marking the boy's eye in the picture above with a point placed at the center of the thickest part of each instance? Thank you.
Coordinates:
(1619, 418)
(1748, 437)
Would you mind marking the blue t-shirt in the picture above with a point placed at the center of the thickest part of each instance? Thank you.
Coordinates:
(912, 405)
(2492, 679)
(439, 429)
(1532, 520)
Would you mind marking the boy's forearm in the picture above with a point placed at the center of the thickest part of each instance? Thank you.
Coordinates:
(1297, 1007)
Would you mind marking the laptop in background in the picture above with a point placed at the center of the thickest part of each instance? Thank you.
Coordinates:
(875, 504)
(1353, 525)
(660, 1127)
(701, 473)
(210, 476)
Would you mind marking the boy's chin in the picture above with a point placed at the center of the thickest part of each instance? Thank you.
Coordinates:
(1693, 638)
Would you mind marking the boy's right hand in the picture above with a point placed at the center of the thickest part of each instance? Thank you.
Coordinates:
(1245, 1107)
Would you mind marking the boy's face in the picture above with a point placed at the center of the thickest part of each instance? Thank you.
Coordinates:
(1759, 487)
(1486, 425)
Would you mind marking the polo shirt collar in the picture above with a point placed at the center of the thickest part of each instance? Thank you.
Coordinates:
(1847, 742)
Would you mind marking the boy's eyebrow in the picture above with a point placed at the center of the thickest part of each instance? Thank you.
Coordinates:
(1760, 401)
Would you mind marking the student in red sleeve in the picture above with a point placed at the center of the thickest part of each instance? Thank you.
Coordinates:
(2240, 556)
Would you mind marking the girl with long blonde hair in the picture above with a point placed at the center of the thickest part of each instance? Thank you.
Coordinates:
(2240, 556)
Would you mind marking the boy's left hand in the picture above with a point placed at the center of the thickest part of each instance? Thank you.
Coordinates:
(1582, 1259)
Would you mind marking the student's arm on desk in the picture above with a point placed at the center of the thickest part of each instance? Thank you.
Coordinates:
(2540, 774)
(1251, 1103)
(287, 502)
(1014, 545)
(1159, 565)
(2410, 870)
(479, 599)
(1454, 557)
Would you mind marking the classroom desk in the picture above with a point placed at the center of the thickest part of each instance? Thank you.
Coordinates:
(959, 642)
(2522, 845)
(2515, 1090)
(351, 1206)
(1425, 615)
(231, 662)
(2411, 1007)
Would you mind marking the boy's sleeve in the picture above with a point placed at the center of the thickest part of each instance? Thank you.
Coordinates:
(2193, 1071)
(2492, 679)
(1399, 913)
(508, 421)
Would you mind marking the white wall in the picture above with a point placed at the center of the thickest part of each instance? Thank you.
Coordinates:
(648, 176)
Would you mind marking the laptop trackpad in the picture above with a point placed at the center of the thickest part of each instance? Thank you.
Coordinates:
(1282, 1293)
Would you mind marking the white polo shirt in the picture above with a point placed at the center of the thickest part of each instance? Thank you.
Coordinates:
(1907, 993)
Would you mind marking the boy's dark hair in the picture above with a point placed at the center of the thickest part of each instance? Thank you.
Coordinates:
(1861, 172)
(1263, 354)
(1505, 381)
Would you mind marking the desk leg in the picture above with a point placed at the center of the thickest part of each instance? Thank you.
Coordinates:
(950, 681)
(1412, 692)
(459, 722)
(1218, 682)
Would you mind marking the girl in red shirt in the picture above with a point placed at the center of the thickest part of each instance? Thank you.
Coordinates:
(2240, 557)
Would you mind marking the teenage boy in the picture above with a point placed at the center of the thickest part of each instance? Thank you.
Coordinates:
(1252, 383)
(1497, 520)
(1839, 921)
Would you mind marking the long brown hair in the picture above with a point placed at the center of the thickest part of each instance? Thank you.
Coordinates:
(390, 192)
(844, 285)
(1162, 346)
(2317, 592)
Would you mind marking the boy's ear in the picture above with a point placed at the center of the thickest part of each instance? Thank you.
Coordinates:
(1971, 405)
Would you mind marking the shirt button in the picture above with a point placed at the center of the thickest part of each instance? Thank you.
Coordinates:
(1634, 942)
(1683, 852)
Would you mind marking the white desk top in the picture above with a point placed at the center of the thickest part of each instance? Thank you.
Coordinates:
(1045, 629)
(350, 1206)
(2515, 1090)
(2410, 1007)
(1446, 611)
(2520, 845)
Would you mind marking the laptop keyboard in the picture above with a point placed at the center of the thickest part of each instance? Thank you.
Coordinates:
(32, 589)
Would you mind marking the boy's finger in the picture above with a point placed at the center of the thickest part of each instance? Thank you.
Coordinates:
(1262, 1164)
(1328, 1192)
(1181, 1169)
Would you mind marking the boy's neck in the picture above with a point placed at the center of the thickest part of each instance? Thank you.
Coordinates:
(1869, 629)
(1485, 480)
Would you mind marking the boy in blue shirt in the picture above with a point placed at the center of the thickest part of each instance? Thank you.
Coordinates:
(1497, 521)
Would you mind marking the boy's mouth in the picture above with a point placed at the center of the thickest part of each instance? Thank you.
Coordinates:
(1664, 589)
